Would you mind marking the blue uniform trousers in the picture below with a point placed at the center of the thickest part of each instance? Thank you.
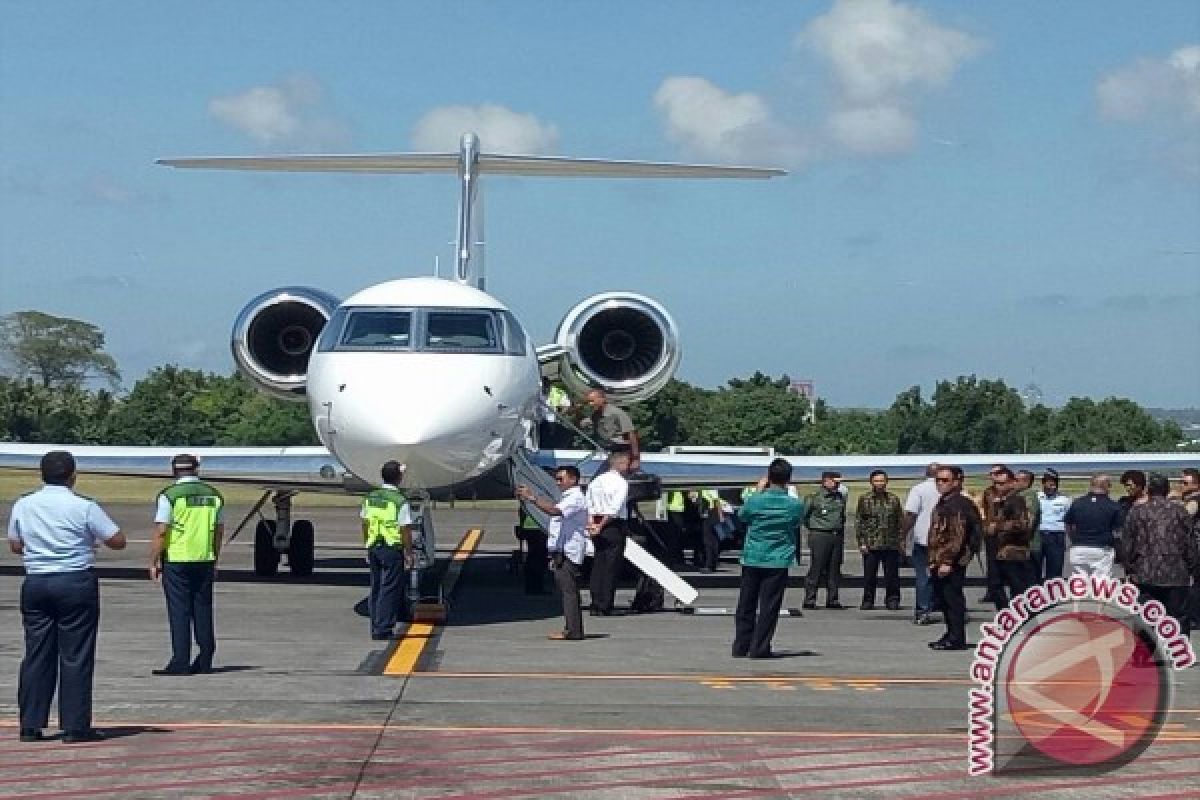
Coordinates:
(60, 612)
(386, 600)
(188, 587)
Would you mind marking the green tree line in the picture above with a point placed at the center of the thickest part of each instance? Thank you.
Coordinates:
(50, 359)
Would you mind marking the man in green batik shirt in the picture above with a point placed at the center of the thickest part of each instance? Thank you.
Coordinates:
(878, 522)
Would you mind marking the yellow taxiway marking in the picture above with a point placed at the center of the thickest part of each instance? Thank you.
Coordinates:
(408, 652)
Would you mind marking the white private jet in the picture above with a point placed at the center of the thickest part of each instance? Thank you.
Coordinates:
(439, 375)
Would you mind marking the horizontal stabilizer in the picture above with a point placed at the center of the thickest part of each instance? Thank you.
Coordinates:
(549, 166)
(370, 163)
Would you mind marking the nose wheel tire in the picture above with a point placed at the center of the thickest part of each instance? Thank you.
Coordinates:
(266, 557)
(301, 554)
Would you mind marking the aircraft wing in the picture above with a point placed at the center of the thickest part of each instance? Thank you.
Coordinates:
(300, 468)
(707, 470)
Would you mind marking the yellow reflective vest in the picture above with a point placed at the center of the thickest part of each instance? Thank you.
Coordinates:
(381, 512)
(195, 512)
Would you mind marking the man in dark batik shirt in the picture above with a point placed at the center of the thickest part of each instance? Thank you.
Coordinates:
(953, 535)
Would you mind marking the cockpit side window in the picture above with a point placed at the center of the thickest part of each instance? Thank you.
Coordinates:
(377, 330)
(514, 335)
(332, 331)
(457, 331)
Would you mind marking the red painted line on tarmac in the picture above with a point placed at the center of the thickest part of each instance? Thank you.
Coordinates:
(1098, 780)
(354, 761)
(701, 755)
(267, 775)
(369, 785)
(141, 753)
(961, 774)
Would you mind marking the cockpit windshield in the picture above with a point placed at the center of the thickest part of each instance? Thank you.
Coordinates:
(430, 330)
(377, 330)
(461, 330)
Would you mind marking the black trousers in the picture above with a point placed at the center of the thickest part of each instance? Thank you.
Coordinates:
(759, 600)
(711, 544)
(536, 559)
(890, 559)
(950, 589)
(566, 577)
(1173, 598)
(1013, 577)
(1193, 603)
(60, 613)
(189, 591)
(386, 599)
(825, 548)
(995, 583)
(610, 547)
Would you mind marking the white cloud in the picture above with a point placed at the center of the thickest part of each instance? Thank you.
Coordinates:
(879, 130)
(500, 130)
(880, 50)
(290, 113)
(708, 122)
(1154, 86)
(881, 55)
(1162, 94)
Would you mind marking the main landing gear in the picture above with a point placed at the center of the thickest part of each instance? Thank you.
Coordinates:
(275, 537)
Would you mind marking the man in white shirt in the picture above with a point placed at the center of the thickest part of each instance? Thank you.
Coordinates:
(918, 514)
(606, 500)
(1053, 529)
(566, 543)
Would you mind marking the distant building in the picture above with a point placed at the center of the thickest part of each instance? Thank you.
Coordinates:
(808, 390)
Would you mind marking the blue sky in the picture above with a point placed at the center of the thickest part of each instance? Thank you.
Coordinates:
(1007, 189)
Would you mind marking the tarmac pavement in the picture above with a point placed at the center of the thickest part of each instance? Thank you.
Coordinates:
(648, 706)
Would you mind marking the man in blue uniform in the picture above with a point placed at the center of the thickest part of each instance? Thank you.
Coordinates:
(56, 532)
(387, 534)
(188, 530)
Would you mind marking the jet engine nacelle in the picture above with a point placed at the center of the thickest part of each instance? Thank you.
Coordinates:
(275, 334)
(623, 343)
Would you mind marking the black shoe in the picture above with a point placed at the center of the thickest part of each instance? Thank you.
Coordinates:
(81, 737)
(170, 670)
(947, 646)
(384, 637)
(940, 641)
(32, 735)
(892, 606)
(866, 607)
(835, 606)
(740, 655)
(200, 669)
(923, 619)
(768, 654)
(809, 605)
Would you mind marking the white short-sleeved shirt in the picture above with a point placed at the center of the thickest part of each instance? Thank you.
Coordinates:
(162, 509)
(567, 532)
(607, 494)
(920, 501)
(1054, 511)
(403, 514)
(59, 530)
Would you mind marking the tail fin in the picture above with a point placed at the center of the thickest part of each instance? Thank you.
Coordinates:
(469, 163)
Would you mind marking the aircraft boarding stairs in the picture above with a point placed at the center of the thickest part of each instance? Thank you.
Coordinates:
(527, 474)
